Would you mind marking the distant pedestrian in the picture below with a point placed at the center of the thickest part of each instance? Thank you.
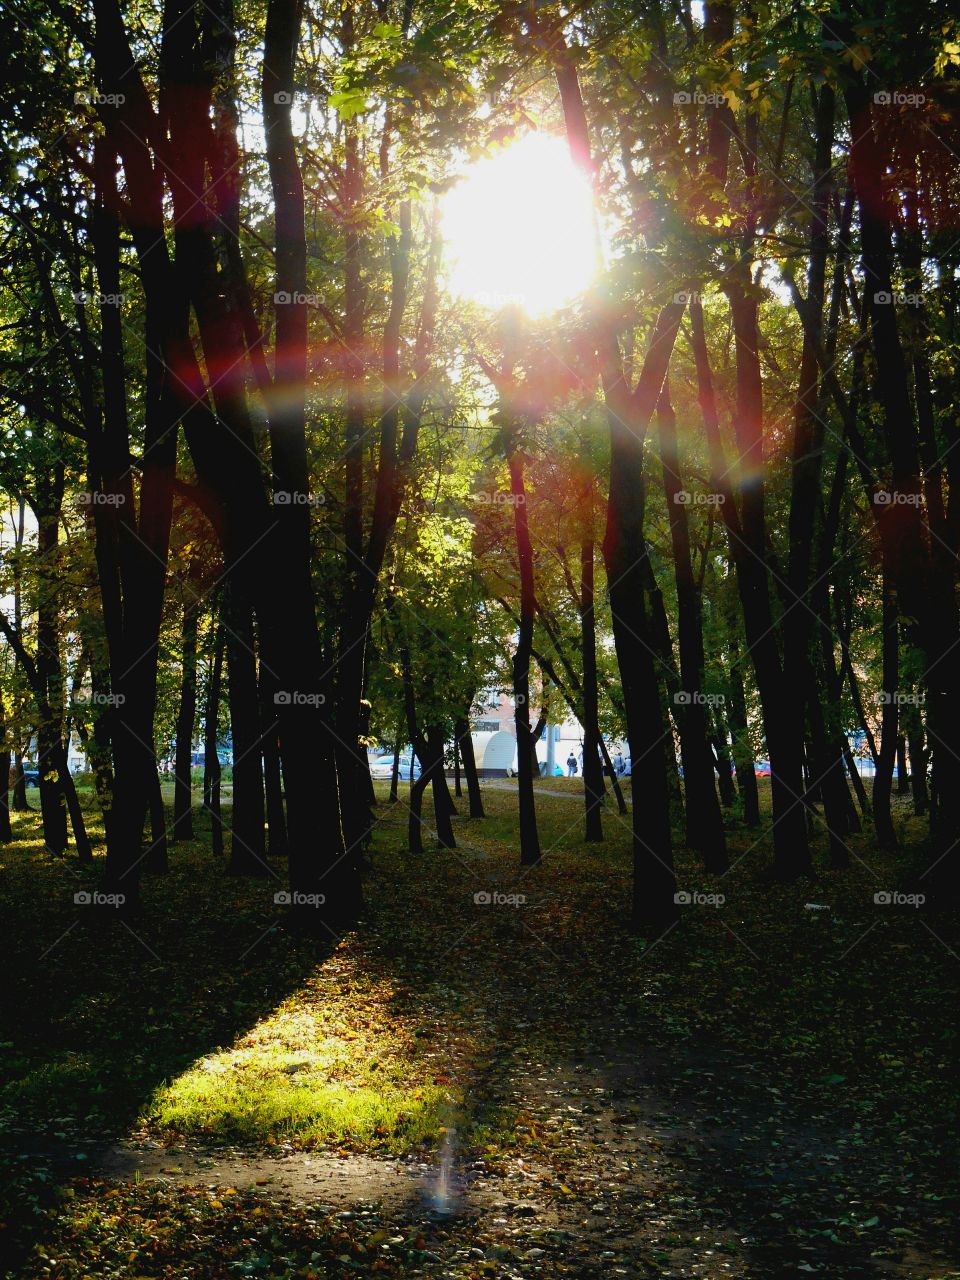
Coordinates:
(571, 765)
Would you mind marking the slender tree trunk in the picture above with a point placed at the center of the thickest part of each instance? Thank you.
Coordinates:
(211, 759)
(247, 845)
(186, 718)
(529, 837)
(593, 788)
(704, 821)
(889, 718)
(903, 777)
(395, 770)
(465, 740)
(6, 832)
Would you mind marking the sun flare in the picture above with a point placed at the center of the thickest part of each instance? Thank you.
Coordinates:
(519, 228)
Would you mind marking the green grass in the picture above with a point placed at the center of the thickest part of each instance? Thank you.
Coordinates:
(328, 1067)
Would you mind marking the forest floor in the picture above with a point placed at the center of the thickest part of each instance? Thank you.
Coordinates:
(490, 1077)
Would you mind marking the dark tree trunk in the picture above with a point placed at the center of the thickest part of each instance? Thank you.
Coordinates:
(918, 768)
(723, 763)
(53, 802)
(156, 859)
(443, 806)
(272, 777)
(186, 719)
(247, 845)
(704, 821)
(465, 740)
(395, 770)
(211, 760)
(529, 837)
(20, 803)
(593, 788)
(625, 553)
(6, 832)
(903, 777)
(889, 720)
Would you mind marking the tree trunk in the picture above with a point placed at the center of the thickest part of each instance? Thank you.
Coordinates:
(529, 837)
(465, 739)
(704, 820)
(889, 720)
(593, 788)
(247, 845)
(211, 760)
(186, 718)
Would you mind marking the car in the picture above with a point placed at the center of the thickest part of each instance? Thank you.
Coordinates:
(31, 777)
(381, 768)
(762, 768)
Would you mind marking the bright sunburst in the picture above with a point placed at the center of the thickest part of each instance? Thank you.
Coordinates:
(519, 228)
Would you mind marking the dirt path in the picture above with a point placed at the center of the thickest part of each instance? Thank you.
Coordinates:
(693, 1161)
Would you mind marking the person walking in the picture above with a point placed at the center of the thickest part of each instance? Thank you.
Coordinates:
(571, 765)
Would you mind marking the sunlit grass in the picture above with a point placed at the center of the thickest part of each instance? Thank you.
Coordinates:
(328, 1067)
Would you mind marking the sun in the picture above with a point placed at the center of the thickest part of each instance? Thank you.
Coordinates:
(519, 228)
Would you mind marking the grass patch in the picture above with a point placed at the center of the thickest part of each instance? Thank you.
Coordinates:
(329, 1067)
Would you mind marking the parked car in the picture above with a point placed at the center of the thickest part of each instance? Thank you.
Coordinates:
(381, 768)
(31, 777)
(762, 768)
